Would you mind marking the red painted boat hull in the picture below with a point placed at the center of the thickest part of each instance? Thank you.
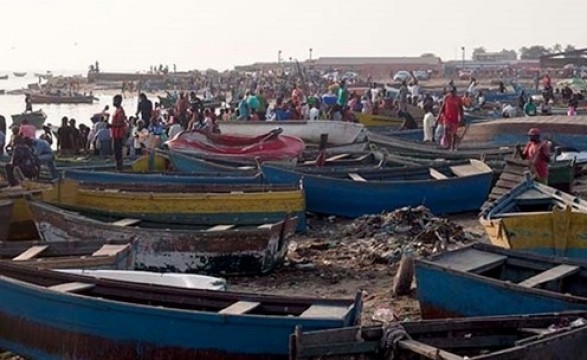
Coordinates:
(267, 147)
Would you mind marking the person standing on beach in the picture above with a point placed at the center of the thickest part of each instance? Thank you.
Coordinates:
(144, 108)
(118, 129)
(452, 113)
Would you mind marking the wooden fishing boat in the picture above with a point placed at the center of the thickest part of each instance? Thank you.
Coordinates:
(526, 337)
(61, 99)
(267, 147)
(567, 131)
(122, 320)
(443, 189)
(369, 120)
(339, 132)
(227, 206)
(90, 254)
(19, 224)
(537, 218)
(5, 215)
(35, 118)
(188, 164)
(458, 283)
(221, 249)
(432, 151)
(19, 74)
(184, 281)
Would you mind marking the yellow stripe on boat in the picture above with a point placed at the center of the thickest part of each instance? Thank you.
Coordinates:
(555, 233)
(369, 120)
(68, 193)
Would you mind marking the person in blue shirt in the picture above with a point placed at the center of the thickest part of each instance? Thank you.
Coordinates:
(103, 139)
(44, 153)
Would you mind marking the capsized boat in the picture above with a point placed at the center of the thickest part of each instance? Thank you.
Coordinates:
(267, 147)
(521, 337)
(35, 118)
(339, 132)
(537, 218)
(229, 205)
(67, 316)
(459, 283)
(184, 281)
(90, 254)
(446, 188)
(221, 249)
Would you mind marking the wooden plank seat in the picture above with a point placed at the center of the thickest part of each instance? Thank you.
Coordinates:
(31, 252)
(220, 228)
(72, 287)
(325, 311)
(109, 250)
(464, 170)
(240, 308)
(337, 157)
(472, 260)
(555, 273)
(126, 222)
(437, 174)
(356, 177)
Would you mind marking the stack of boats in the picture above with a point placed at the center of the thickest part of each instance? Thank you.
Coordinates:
(229, 205)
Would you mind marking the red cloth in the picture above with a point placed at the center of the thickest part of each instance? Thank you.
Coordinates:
(538, 154)
(118, 126)
(27, 130)
(452, 109)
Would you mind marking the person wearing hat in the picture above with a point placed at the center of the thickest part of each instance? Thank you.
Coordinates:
(537, 152)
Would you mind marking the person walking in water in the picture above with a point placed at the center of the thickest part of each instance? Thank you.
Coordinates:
(118, 129)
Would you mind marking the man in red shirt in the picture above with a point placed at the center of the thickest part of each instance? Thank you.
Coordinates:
(118, 130)
(452, 113)
(537, 152)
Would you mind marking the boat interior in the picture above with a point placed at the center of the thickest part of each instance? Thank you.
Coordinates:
(526, 270)
(443, 339)
(221, 302)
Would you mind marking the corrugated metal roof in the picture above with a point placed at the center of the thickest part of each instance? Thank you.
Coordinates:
(378, 60)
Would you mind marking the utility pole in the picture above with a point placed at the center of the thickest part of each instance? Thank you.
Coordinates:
(310, 54)
(463, 49)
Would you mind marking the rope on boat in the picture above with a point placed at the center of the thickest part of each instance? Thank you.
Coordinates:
(392, 335)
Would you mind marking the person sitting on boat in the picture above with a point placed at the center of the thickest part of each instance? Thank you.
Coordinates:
(509, 111)
(27, 130)
(24, 163)
(47, 134)
(45, 156)
(102, 140)
(480, 101)
(537, 152)
(28, 103)
(545, 109)
(572, 106)
(522, 100)
(530, 108)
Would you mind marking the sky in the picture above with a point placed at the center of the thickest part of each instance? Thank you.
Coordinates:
(131, 35)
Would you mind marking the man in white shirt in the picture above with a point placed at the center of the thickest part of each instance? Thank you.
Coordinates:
(314, 113)
(472, 87)
(509, 111)
(428, 124)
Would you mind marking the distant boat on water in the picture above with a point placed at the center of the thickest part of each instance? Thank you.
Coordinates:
(4, 77)
(19, 74)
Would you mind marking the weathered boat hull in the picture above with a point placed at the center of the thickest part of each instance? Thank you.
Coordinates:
(37, 119)
(90, 254)
(183, 208)
(338, 132)
(447, 292)
(5, 215)
(475, 338)
(231, 252)
(348, 198)
(154, 323)
(20, 222)
(54, 99)
(551, 232)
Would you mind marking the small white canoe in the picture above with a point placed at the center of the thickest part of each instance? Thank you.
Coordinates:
(338, 132)
(186, 281)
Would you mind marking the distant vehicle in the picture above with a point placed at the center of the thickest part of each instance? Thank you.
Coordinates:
(466, 74)
(401, 76)
(349, 75)
(421, 75)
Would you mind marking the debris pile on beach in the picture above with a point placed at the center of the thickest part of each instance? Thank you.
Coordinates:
(380, 239)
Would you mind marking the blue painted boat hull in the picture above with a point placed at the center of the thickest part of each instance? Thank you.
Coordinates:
(48, 325)
(347, 198)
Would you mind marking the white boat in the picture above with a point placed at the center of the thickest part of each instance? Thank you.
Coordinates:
(339, 132)
(185, 281)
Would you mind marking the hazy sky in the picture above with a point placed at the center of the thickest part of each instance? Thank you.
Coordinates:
(132, 34)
